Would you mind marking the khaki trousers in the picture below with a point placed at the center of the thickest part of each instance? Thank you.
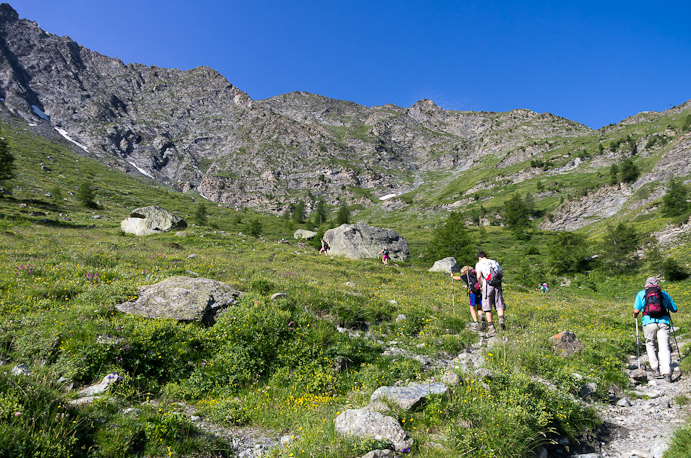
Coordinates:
(657, 346)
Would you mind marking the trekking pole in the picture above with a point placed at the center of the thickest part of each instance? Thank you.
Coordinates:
(638, 345)
(453, 296)
(675, 336)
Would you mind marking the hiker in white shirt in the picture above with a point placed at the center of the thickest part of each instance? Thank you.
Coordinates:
(492, 294)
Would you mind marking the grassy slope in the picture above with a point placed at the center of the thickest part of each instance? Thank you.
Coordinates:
(238, 373)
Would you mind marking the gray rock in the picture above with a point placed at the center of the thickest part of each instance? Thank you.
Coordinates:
(183, 299)
(21, 369)
(446, 265)
(566, 343)
(588, 390)
(101, 387)
(367, 424)
(624, 402)
(151, 220)
(408, 397)
(359, 241)
(302, 234)
(277, 296)
(451, 379)
(400, 317)
(380, 454)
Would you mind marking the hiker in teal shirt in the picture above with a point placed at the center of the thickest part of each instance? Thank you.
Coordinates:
(656, 328)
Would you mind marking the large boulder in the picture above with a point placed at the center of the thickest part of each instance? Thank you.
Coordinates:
(367, 424)
(183, 299)
(358, 241)
(151, 220)
(446, 265)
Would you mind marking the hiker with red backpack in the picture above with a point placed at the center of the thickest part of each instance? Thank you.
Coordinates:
(469, 277)
(490, 276)
(656, 305)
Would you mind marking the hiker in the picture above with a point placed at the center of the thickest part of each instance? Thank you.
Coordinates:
(656, 305)
(384, 256)
(544, 288)
(469, 277)
(325, 247)
(490, 277)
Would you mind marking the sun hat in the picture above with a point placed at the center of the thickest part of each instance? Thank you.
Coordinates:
(650, 281)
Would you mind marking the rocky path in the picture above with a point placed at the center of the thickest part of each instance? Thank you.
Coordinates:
(643, 420)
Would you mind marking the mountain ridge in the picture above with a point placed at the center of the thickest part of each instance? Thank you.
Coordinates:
(194, 130)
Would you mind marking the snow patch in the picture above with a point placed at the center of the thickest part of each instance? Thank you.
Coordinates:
(40, 113)
(141, 170)
(388, 196)
(67, 137)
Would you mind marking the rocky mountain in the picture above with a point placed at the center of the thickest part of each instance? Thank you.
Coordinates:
(194, 130)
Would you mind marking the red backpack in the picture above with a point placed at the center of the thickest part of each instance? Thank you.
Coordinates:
(654, 307)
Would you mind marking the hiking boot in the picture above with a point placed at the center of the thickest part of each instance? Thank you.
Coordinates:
(667, 378)
(490, 330)
(474, 326)
(502, 324)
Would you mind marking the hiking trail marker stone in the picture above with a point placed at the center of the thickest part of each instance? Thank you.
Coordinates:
(361, 241)
(182, 298)
(566, 343)
(151, 220)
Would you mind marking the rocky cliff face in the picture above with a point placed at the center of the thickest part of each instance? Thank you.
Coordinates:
(194, 130)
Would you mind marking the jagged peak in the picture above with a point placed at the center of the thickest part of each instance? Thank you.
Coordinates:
(7, 13)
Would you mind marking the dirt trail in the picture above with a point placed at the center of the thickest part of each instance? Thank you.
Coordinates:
(644, 419)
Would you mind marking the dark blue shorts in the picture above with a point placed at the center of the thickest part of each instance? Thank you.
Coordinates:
(473, 299)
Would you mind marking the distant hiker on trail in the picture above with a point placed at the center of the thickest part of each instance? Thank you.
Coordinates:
(543, 288)
(469, 277)
(384, 256)
(656, 305)
(490, 276)
(325, 247)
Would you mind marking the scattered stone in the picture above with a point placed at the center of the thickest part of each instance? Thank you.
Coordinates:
(182, 298)
(380, 454)
(102, 387)
(132, 410)
(446, 265)
(638, 375)
(21, 369)
(624, 402)
(151, 220)
(192, 256)
(367, 424)
(408, 397)
(588, 390)
(95, 216)
(302, 234)
(277, 296)
(181, 234)
(566, 343)
(400, 317)
(451, 379)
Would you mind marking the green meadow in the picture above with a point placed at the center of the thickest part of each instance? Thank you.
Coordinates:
(281, 366)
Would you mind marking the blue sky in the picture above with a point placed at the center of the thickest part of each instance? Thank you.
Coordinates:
(595, 62)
